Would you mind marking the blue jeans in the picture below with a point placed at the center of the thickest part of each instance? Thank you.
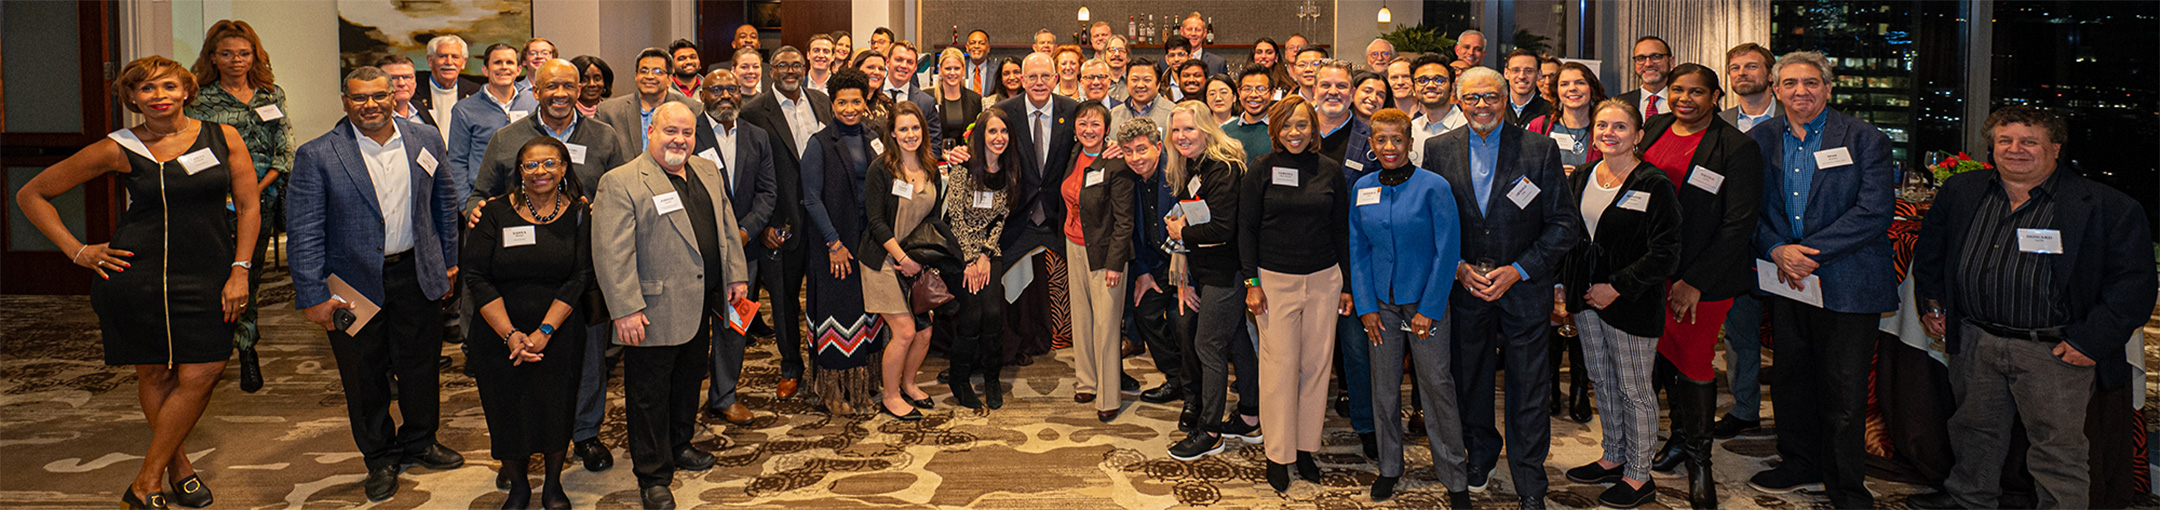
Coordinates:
(1743, 356)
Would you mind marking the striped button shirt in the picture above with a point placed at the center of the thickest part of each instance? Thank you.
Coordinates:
(2002, 284)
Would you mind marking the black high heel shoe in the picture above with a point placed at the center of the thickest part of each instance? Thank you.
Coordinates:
(912, 414)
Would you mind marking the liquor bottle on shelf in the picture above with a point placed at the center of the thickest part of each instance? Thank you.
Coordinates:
(1210, 30)
(1132, 27)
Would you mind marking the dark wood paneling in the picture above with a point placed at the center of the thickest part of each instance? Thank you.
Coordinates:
(801, 19)
(717, 20)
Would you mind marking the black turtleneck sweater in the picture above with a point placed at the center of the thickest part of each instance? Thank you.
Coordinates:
(1297, 229)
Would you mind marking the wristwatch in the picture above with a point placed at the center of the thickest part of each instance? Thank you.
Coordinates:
(546, 329)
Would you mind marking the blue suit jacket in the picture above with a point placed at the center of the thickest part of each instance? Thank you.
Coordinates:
(1848, 213)
(1357, 152)
(335, 226)
(1536, 236)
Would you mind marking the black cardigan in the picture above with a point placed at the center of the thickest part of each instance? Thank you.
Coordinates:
(1717, 230)
(1216, 265)
(880, 206)
(1635, 251)
(1106, 213)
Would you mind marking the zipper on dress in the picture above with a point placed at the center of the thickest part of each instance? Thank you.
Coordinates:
(165, 264)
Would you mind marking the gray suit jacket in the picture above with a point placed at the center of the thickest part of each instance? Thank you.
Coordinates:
(624, 114)
(649, 262)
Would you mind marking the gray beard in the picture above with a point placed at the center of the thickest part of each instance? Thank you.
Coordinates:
(1484, 128)
(723, 115)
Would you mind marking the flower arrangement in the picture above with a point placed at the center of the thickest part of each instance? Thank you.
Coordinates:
(1955, 164)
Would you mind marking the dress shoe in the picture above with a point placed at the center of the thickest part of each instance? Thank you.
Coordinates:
(737, 415)
(693, 459)
(444, 362)
(787, 389)
(519, 499)
(1415, 427)
(1579, 408)
(1128, 348)
(596, 456)
(920, 403)
(381, 483)
(1369, 444)
(1937, 500)
(1342, 403)
(190, 492)
(1167, 393)
(251, 379)
(656, 497)
(1784, 479)
(993, 391)
(154, 500)
(1595, 473)
(912, 414)
(1188, 419)
(964, 394)
(1307, 468)
(1106, 416)
(1383, 488)
(502, 479)
(1730, 426)
(1620, 495)
(1127, 383)
(1083, 397)
(437, 457)
(1278, 476)
(1458, 500)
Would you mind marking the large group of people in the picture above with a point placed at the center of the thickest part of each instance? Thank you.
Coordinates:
(1269, 227)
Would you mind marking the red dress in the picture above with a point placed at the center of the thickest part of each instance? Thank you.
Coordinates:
(1689, 346)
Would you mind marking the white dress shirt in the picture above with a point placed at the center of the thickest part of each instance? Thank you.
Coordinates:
(1423, 127)
(1040, 117)
(801, 121)
(1664, 105)
(392, 175)
(724, 142)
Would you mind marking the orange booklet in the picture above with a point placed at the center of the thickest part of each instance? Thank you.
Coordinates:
(739, 314)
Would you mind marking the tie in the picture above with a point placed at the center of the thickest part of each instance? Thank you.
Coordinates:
(1652, 109)
(1042, 147)
(975, 79)
(897, 97)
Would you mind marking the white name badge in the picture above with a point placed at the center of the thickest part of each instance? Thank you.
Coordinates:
(1706, 179)
(269, 112)
(1285, 177)
(902, 189)
(1832, 158)
(1522, 194)
(1353, 165)
(985, 200)
(877, 146)
(1635, 201)
(668, 202)
(198, 161)
(1092, 178)
(712, 155)
(427, 162)
(1368, 196)
(577, 153)
(2040, 240)
(1193, 185)
(518, 236)
(1565, 141)
(516, 115)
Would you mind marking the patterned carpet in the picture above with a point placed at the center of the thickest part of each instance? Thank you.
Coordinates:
(72, 433)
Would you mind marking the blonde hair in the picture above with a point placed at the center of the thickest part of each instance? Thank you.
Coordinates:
(1220, 146)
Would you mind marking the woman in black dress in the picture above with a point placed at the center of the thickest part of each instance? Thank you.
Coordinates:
(527, 262)
(172, 317)
(957, 106)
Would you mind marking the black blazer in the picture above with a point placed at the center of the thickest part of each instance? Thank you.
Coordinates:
(1039, 180)
(1212, 255)
(880, 208)
(763, 111)
(1535, 236)
(1538, 107)
(1106, 214)
(1634, 252)
(423, 99)
(1717, 230)
(970, 106)
(2104, 278)
(750, 192)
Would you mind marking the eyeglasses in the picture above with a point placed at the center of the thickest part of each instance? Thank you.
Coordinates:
(1309, 63)
(724, 89)
(1097, 76)
(1430, 80)
(1381, 54)
(655, 71)
(789, 65)
(1650, 57)
(1488, 97)
(1254, 88)
(549, 163)
(383, 97)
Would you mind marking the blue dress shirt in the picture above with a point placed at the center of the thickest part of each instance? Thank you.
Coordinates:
(1800, 171)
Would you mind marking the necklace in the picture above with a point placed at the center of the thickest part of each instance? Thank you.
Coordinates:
(554, 209)
(186, 123)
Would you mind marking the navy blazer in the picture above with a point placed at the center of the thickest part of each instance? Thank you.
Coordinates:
(1152, 198)
(1357, 157)
(1039, 182)
(753, 152)
(2103, 278)
(933, 128)
(331, 199)
(1535, 236)
(1848, 213)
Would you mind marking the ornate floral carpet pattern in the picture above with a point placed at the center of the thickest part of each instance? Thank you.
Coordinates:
(72, 435)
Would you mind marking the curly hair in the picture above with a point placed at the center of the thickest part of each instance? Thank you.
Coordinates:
(206, 72)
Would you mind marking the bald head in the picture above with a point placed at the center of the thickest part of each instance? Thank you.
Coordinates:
(1038, 74)
(555, 86)
(673, 132)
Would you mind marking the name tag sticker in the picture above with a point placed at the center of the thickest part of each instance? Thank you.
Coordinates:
(1635, 201)
(1522, 194)
(518, 236)
(198, 161)
(1353, 165)
(577, 153)
(712, 155)
(877, 146)
(1368, 196)
(2040, 240)
(1193, 185)
(427, 162)
(1285, 177)
(902, 189)
(1706, 179)
(1092, 178)
(1831, 158)
(1565, 141)
(668, 202)
(516, 115)
(985, 200)
(270, 112)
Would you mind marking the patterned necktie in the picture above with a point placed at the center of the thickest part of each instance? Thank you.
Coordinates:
(1652, 109)
(1042, 146)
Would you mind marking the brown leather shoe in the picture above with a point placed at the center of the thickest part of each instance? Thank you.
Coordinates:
(1083, 397)
(837, 407)
(737, 414)
(787, 388)
(1106, 416)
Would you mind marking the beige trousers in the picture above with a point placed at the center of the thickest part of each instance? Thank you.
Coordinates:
(1297, 348)
(1097, 309)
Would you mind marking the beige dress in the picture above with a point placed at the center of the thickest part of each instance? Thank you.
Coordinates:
(881, 288)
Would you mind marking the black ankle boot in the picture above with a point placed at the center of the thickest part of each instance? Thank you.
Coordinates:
(1307, 468)
(963, 390)
(1278, 476)
(1701, 405)
(993, 389)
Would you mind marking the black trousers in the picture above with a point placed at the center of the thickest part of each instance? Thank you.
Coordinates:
(781, 274)
(402, 340)
(660, 386)
(977, 346)
(1152, 323)
(1823, 359)
(1486, 335)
